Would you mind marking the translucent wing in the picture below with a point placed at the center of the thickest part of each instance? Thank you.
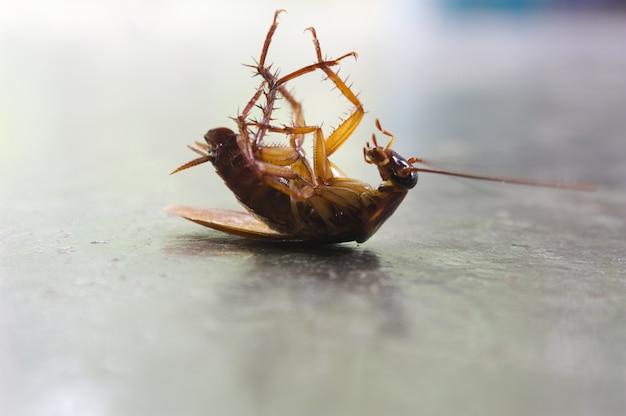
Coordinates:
(239, 223)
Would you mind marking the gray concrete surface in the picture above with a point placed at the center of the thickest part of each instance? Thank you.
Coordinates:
(473, 299)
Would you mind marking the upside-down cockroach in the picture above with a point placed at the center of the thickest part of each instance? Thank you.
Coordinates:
(290, 197)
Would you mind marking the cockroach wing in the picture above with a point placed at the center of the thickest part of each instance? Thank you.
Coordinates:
(239, 223)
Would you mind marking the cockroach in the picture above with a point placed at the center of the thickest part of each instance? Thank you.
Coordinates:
(291, 198)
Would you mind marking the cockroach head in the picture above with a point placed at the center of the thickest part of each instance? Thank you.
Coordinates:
(391, 166)
(216, 137)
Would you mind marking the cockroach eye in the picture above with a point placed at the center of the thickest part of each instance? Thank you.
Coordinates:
(402, 173)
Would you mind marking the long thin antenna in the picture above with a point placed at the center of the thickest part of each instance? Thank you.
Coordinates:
(529, 182)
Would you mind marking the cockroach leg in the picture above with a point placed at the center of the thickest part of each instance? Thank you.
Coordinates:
(297, 116)
(253, 101)
(323, 148)
(268, 38)
(277, 175)
(347, 127)
(313, 67)
(278, 155)
(343, 131)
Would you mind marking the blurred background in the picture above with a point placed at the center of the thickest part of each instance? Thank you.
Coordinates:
(83, 84)
(465, 302)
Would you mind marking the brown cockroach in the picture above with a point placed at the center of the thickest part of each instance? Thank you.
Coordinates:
(290, 198)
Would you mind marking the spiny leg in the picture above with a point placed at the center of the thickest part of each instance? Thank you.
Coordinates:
(272, 78)
(323, 147)
(248, 146)
(326, 147)
(295, 155)
(269, 80)
(283, 156)
(297, 116)
(253, 102)
(296, 137)
(275, 85)
(268, 40)
(284, 168)
(345, 129)
(313, 67)
(292, 159)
